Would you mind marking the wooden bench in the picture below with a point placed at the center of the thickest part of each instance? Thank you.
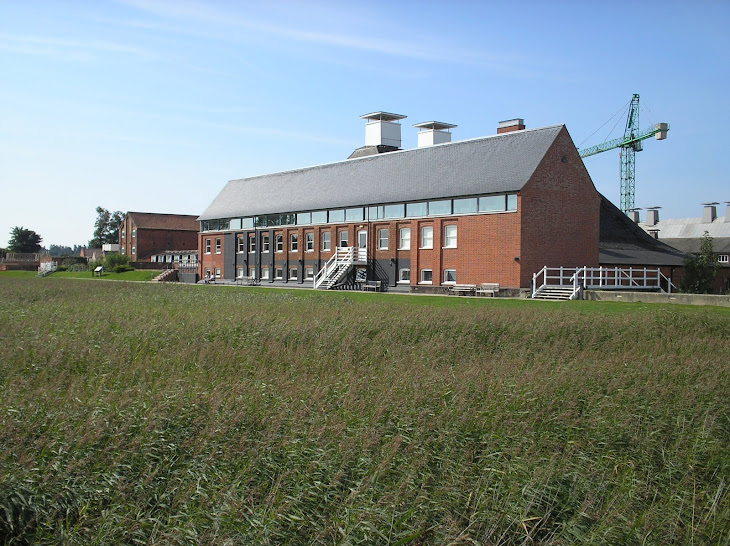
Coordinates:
(372, 285)
(488, 289)
(462, 289)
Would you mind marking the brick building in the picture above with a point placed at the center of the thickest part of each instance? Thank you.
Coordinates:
(493, 209)
(144, 234)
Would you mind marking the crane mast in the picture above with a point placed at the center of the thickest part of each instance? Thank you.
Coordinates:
(628, 146)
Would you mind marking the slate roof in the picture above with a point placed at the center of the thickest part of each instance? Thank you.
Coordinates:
(623, 242)
(494, 164)
(174, 222)
(686, 234)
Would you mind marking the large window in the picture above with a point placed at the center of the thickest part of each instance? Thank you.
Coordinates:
(450, 236)
(252, 243)
(240, 244)
(465, 206)
(404, 238)
(336, 216)
(309, 241)
(279, 243)
(427, 237)
(294, 242)
(383, 239)
(326, 240)
(426, 276)
(449, 276)
(356, 214)
(304, 218)
(319, 217)
(264, 243)
(416, 210)
(439, 207)
(394, 211)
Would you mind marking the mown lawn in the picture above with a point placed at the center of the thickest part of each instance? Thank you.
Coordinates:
(136, 275)
(144, 413)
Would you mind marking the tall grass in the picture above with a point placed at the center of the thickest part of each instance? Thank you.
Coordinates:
(137, 413)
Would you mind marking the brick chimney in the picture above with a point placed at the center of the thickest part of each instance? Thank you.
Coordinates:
(517, 124)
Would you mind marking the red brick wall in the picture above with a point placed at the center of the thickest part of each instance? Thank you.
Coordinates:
(560, 210)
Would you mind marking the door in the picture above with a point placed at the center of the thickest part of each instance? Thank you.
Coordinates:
(362, 246)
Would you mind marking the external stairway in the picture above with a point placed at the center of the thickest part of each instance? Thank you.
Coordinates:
(335, 269)
(558, 293)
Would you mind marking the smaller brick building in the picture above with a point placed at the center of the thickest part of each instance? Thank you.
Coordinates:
(144, 234)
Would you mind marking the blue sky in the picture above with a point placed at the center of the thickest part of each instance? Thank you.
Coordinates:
(153, 106)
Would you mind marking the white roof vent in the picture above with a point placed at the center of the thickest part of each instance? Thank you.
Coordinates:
(383, 129)
(433, 132)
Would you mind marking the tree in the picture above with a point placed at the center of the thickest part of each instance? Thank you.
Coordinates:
(60, 250)
(106, 227)
(700, 269)
(24, 240)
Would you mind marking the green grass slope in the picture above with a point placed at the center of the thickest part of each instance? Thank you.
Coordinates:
(142, 413)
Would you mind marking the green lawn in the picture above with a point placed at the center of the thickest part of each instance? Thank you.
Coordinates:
(136, 275)
(176, 414)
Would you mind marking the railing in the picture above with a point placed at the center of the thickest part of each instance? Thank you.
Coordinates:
(342, 256)
(46, 268)
(617, 278)
(600, 278)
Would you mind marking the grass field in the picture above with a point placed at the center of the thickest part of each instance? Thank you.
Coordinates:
(144, 413)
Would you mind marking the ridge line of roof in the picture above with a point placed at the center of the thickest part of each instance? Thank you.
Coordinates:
(371, 157)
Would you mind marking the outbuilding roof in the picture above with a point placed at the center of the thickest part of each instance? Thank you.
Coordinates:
(623, 242)
(494, 164)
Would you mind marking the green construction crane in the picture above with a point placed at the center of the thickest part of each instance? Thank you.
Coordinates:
(629, 144)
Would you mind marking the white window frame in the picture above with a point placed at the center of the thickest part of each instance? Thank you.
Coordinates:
(723, 258)
(426, 241)
(217, 245)
(422, 275)
(309, 241)
(240, 244)
(326, 240)
(207, 246)
(382, 241)
(309, 273)
(265, 273)
(279, 242)
(217, 272)
(401, 280)
(252, 271)
(450, 234)
(294, 242)
(278, 273)
(404, 243)
(345, 239)
(295, 276)
(446, 276)
(252, 243)
(265, 243)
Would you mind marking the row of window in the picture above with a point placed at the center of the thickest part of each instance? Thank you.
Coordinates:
(404, 275)
(441, 207)
(404, 240)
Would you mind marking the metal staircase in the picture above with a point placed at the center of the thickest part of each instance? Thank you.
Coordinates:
(335, 268)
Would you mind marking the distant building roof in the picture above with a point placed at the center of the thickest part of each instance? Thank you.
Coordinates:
(623, 242)
(686, 234)
(175, 222)
(493, 164)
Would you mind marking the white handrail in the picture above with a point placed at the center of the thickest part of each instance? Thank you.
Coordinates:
(342, 255)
